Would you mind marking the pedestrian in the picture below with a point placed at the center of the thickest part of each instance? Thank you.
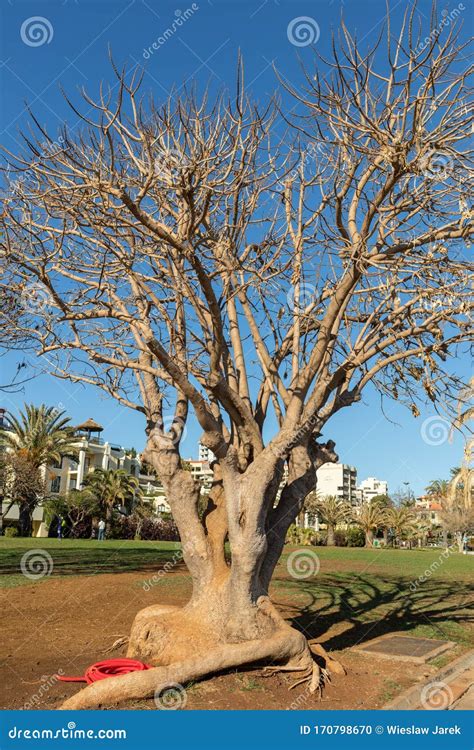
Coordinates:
(60, 527)
(101, 528)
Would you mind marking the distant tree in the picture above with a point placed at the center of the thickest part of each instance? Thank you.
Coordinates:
(438, 489)
(112, 487)
(384, 502)
(402, 521)
(421, 531)
(457, 520)
(76, 508)
(41, 435)
(143, 509)
(21, 484)
(370, 518)
(310, 506)
(332, 511)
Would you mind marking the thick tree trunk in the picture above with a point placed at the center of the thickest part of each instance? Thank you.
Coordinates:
(229, 619)
(25, 519)
(369, 538)
(331, 538)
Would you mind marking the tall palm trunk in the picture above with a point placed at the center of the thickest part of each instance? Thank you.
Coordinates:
(25, 519)
(331, 538)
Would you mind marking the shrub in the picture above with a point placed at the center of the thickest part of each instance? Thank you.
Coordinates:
(298, 535)
(152, 529)
(340, 538)
(11, 531)
(355, 536)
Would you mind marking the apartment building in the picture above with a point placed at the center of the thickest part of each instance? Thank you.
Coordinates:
(205, 454)
(93, 453)
(339, 480)
(370, 488)
(428, 509)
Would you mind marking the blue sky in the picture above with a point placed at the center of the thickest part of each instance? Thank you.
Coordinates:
(203, 45)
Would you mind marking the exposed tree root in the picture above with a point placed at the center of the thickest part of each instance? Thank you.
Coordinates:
(286, 645)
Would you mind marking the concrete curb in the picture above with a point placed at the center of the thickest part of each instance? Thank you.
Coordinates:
(411, 699)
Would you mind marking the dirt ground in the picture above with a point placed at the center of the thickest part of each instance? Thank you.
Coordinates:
(65, 624)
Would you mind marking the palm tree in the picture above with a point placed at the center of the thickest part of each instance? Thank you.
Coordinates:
(383, 502)
(421, 531)
(371, 517)
(110, 487)
(402, 521)
(41, 435)
(332, 510)
(439, 489)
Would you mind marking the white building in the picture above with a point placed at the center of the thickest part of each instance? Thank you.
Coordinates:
(337, 479)
(93, 453)
(205, 454)
(370, 488)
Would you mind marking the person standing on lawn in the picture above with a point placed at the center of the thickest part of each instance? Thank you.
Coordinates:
(101, 527)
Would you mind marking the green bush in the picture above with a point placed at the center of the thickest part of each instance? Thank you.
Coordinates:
(340, 537)
(11, 531)
(298, 535)
(355, 537)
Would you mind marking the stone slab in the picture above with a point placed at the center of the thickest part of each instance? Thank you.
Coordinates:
(405, 648)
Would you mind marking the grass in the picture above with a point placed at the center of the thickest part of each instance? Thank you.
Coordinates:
(86, 557)
(355, 595)
(359, 594)
(390, 690)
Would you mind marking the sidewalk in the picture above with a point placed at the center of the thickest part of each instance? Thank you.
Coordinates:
(451, 689)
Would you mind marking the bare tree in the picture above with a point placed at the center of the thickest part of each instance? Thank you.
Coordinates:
(457, 519)
(195, 263)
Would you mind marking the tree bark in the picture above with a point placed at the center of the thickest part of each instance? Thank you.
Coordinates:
(25, 520)
(369, 538)
(331, 538)
(229, 619)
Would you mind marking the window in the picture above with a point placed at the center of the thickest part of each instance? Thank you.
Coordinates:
(56, 484)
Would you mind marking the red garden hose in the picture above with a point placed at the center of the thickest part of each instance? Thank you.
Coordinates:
(108, 668)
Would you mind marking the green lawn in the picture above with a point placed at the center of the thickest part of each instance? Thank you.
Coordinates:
(372, 592)
(83, 556)
(356, 594)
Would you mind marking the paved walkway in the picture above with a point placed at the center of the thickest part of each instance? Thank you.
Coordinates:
(452, 685)
(462, 688)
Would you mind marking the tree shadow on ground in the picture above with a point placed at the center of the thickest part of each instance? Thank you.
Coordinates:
(94, 560)
(369, 607)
